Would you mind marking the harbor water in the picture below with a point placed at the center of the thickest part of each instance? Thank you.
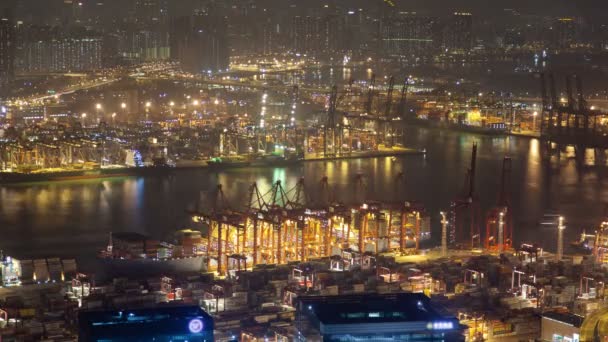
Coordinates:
(74, 218)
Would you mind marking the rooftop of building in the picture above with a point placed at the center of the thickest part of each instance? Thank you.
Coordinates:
(565, 317)
(159, 312)
(370, 308)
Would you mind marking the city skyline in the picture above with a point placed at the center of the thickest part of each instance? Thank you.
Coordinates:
(291, 170)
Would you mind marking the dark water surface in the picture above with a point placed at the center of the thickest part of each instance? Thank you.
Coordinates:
(74, 218)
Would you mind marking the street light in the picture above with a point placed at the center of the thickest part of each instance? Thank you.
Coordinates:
(123, 105)
(98, 111)
(444, 234)
(560, 237)
(534, 115)
(148, 105)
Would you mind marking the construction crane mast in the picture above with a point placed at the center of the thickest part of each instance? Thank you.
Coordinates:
(330, 125)
(403, 100)
(555, 103)
(465, 210)
(582, 104)
(295, 96)
(571, 103)
(389, 97)
(546, 109)
(388, 127)
(499, 221)
(370, 95)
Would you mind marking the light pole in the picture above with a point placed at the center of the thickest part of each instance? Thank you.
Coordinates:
(148, 105)
(195, 103)
(83, 117)
(98, 108)
(444, 235)
(501, 224)
(123, 107)
(560, 237)
(113, 119)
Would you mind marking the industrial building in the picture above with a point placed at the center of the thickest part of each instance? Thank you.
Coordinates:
(164, 323)
(374, 317)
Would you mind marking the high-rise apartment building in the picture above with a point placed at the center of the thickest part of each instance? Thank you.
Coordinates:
(408, 35)
(199, 43)
(46, 49)
(7, 50)
(458, 33)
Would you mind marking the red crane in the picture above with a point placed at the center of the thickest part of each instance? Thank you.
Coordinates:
(499, 220)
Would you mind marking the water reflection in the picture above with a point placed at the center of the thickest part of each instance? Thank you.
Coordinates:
(74, 218)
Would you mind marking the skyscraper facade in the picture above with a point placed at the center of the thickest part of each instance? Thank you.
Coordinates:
(7, 50)
(47, 49)
(199, 43)
(317, 35)
(408, 35)
(459, 33)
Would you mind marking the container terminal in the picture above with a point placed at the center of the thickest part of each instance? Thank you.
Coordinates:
(256, 266)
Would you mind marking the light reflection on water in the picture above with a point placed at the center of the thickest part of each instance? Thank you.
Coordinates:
(74, 218)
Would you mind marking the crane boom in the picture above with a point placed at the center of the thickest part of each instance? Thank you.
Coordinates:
(389, 97)
(403, 100)
(370, 95)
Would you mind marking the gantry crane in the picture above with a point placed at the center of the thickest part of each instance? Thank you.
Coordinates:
(330, 127)
(465, 210)
(499, 221)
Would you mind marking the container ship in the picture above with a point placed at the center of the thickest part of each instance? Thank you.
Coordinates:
(270, 160)
(218, 163)
(49, 175)
(488, 129)
(157, 167)
(129, 253)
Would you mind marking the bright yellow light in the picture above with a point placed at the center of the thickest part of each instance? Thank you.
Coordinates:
(195, 103)
(474, 115)
(171, 103)
(148, 104)
(98, 106)
(123, 105)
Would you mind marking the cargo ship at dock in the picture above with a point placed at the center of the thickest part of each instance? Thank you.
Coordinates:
(50, 175)
(88, 170)
(129, 253)
(220, 163)
(497, 129)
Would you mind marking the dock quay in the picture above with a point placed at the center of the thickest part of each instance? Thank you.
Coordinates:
(500, 297)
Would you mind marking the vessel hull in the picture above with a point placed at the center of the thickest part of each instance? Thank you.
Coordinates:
(18, 177)
(114, 267)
